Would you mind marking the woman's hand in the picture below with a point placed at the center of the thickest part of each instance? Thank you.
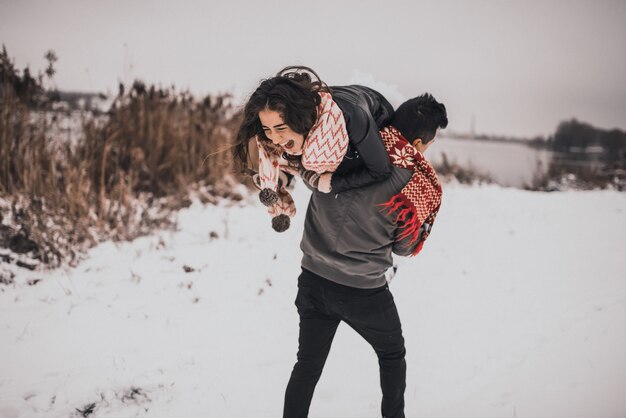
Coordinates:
(291, 170)
(324, 185)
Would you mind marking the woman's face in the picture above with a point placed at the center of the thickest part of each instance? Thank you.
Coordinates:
(277, 131)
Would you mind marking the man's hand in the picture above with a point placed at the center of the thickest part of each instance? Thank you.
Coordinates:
(323, 184)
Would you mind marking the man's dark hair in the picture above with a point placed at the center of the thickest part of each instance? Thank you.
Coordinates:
(419, 118)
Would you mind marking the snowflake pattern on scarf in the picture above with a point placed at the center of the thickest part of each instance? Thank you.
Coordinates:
(419, 201)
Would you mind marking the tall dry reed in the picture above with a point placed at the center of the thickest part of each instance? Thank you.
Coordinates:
(122, 177)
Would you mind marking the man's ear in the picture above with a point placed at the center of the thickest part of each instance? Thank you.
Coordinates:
(417, 141)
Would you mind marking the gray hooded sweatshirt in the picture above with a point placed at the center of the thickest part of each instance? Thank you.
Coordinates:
(348, 240)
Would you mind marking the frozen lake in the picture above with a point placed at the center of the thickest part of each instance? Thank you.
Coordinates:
(509, 164)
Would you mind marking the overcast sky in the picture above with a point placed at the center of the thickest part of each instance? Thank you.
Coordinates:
(516, 67)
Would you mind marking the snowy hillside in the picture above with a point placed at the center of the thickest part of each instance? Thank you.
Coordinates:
(516, 307)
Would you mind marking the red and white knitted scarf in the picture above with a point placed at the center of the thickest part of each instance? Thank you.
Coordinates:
(420, 199)
(323, 149)
(327, 141)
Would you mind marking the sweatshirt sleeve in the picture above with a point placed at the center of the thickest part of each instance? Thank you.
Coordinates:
(364, 136)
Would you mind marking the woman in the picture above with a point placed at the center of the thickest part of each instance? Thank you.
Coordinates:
(296, 118)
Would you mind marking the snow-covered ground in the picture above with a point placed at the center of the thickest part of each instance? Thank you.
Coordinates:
(515, 308)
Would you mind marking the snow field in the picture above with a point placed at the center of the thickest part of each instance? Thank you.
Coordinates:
(515, 308)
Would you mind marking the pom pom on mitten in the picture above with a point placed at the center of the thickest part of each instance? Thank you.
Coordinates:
(281, 222)
(268, 197)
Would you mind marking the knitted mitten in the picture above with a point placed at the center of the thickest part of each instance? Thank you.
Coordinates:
(310, 177)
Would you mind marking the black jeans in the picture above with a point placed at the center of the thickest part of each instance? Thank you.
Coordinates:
(322, 304)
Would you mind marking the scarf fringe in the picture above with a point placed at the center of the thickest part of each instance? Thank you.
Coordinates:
(406, 216)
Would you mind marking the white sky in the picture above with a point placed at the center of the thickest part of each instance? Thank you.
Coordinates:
(519, 67)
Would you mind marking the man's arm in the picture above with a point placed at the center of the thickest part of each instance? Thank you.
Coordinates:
(364, 136)
(309, 178)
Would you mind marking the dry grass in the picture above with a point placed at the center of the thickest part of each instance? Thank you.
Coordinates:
(121, 178)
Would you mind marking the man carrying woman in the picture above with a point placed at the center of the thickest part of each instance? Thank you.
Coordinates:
(376, 196)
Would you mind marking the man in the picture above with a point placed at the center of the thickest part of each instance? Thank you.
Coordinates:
(347, 247)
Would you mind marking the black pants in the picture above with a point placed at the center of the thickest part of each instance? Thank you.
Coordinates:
(322, 304)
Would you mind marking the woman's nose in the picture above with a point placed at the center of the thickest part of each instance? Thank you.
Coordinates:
(276, 139)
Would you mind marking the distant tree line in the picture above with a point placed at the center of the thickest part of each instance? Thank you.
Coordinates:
(573, 136)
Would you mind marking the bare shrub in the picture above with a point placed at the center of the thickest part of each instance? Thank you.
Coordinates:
(124, 175)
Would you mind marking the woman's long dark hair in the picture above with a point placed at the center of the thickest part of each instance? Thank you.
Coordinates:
(293, 93)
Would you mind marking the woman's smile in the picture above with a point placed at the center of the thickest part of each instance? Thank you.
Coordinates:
(277, 131)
